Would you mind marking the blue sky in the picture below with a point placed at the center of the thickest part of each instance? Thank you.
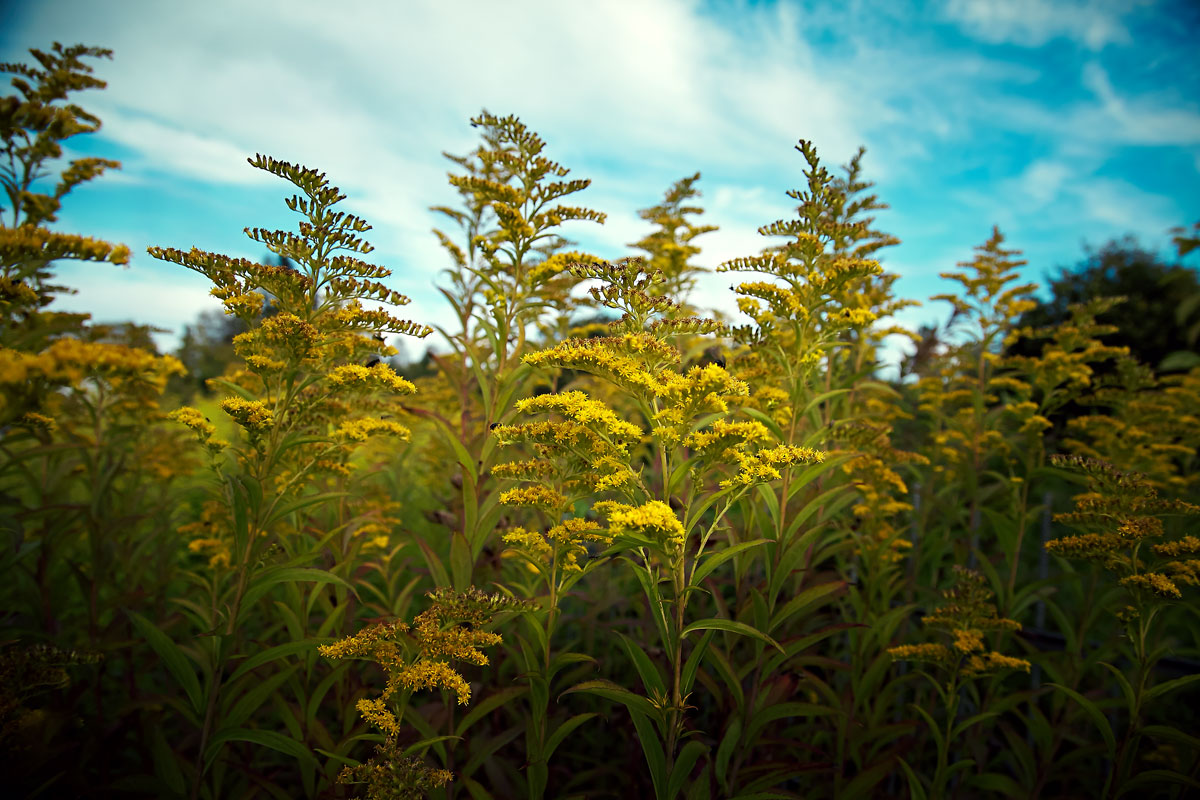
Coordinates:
(1061, 122)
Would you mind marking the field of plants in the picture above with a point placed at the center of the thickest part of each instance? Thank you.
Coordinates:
(596, 544)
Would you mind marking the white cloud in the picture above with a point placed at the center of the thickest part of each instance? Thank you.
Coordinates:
(1140, 121)
(1033, 23)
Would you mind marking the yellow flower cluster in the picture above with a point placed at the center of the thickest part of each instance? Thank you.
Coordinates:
(989, 663)
(934, 653)
(534, 497)
(358, 430)
(253, 415)
(562, 546)
(417, 657)
(967, 614)
(584, 410)
(723, 435)
(654, 519)
(1130, 501)
(700, 390)
(378, 377)
(596, 358)
(204, 429)
(763, 466)
(1154, 582)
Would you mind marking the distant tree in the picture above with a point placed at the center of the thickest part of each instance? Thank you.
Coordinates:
(1147, 322)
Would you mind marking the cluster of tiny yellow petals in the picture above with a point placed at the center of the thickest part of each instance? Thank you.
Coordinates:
(584, 410)
(359, 430)
(534, 497)
(977, 665)
(375, 711)
(1188, 545)
(936, 653)
(435, 675)
(216, 549)
(193, 419)
(32, 420)
(380, 376)
(967, 640)
(723, 434)
(763, 466)
(529, 469)
(253, 415)
(1154, 582)
(654, 518)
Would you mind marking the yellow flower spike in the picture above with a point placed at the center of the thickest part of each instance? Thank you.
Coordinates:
(359, 430)
(654, 518)
(253, 415)
(534, 497)
(1154, 582)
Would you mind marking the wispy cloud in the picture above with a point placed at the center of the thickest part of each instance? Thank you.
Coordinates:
(636, 95)
(1033, 23)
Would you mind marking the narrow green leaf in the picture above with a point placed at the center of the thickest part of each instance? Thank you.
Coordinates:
(647, 670)
(730, 626)
(611, 691)
(271, 739)
(1169, 686)
(563, 731)
(275, 653)
(177, 663)
(714, 560)
(460, 452)
(1098, 718)
(653, 749)
(916, 790)
(265, 580)
(729, 742)
(688, 755)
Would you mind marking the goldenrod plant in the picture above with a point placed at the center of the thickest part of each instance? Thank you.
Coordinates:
(966, 618)
(302, 404)
(1125, 531)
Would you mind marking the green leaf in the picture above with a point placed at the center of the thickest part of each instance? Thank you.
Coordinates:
(271, 739)
(684, 762)
(729, 741)
(262, 583)
(1171, 735)
(486, 706)
(460, 452)
(714, 560)
(1169, 686)
(730, 626)
(245, 394)
(807, 599)
(974, 720)
(916, 790)
(1157, 777)
(688, 676)
(646, 669)
(611, 691)
(275, 653)
(1093, 711)
(655, 758)
(1001, 784)
(436, 568)
(302, 503)
(255, 697)
(424, 744)
(1126, 689)
(563, 731)
(177, 663)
